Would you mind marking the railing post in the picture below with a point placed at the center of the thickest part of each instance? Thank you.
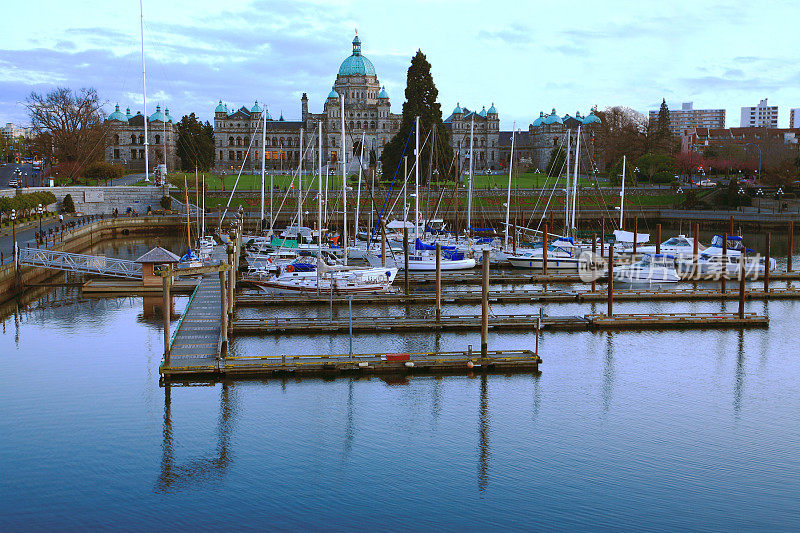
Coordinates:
(166, 311)
(741, 286)
(594, 252)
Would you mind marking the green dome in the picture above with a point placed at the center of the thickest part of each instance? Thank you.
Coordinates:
(128, 113)
(157, 116)
(591, 119)
(552, 118)
(356, 64)
(256, 108)
(538, 121)
(169, 118)
(221, 108)
(383, 94)
(483, 112)
(333, 94)
(116, 115)
(492, 110)
(266, 114)
(458, 108)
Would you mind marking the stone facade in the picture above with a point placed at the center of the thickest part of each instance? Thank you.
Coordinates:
(486, 137)
(125, 140)
(367, 112)
(96, 200)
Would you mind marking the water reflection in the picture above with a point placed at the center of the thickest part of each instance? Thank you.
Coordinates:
(175, 477)
(483, 435)
(739, 375)
(608, 373)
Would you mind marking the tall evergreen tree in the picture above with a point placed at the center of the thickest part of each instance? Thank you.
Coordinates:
(663, 130)
(195, 144)
(421, 95)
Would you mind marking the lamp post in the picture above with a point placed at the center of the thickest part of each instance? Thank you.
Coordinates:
(759, 194)
(14, 233)
(778, 196)
(40, 210)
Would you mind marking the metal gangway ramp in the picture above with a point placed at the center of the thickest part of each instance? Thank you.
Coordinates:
(85, 264)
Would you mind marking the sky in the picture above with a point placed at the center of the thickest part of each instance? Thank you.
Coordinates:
(523, 56)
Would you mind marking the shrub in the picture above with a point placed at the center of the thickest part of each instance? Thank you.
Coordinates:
(166, 202)
(101, 171)
(68, 205)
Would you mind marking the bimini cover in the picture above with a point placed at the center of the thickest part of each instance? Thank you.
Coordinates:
(399, 224)
(627, 236)
(190, 256)
(563, 242)
(419, 245)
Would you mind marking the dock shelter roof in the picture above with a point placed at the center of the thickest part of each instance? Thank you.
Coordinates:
(158, 255)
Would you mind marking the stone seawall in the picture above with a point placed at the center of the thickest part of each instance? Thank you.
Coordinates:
(97, 200)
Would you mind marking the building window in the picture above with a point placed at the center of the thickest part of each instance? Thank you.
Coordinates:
(133, 153)
(238, 141)
(230, 141)
(133, 139)
(158, 139)
(238, 155)
(116, 139)
(221, 156)
(247, 141)
(141, 154)
(141, 139)
(334, 158)
(116, 153)
(230, 155)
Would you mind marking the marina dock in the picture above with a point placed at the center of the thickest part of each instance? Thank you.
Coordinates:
(198, 337)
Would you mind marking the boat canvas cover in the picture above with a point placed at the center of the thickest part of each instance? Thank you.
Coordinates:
(627, 236)
(419, 245)
(399, 224)
(283, 242)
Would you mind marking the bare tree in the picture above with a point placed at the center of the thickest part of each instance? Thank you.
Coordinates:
(622, 131)
(73, 122)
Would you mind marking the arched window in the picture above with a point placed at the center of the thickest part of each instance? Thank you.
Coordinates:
(333, 142)
(372, 124)
(282, 141)
(230, 140)
(358, 125)
(274, 142)
(158, 139)
(116, 139)
(246, 140)
(141, 139)
(238, 141)
(133, 139)
(351, 125)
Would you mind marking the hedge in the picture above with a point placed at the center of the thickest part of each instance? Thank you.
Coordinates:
(25, 204)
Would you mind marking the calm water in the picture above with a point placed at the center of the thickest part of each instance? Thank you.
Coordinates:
(671, 430)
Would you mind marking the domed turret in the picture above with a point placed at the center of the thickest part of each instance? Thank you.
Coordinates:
(492, 110)
(538, 121)
(483, 112)
(117, 115)
(169, 118)
(266, 113)
(157, 116)
(592, 118)
(333, 94)
(552, 118)
(458, 109)
(356, 64)
(383, 95)
(128, 113)
(221, 108)
(256, 108)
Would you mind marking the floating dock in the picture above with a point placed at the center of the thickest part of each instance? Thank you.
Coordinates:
(676, 320)
(354, 365)
(515, 296)
(198, 336)
(123, 286)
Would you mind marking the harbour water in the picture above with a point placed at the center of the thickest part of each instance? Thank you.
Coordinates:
(655, 430)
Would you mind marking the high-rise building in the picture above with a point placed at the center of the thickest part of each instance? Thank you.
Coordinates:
(687, 117)
(761, 116)
(794, 117)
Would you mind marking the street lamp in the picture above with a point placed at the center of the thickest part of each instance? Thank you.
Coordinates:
(759, 194)
(778, 195)
(40, 210)
(14, 232)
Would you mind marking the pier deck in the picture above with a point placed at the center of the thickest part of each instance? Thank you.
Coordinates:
(356, 365)
(198, 338)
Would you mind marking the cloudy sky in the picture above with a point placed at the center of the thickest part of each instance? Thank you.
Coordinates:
(525, 56)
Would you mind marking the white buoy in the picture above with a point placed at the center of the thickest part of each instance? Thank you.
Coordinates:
(470, 364)
(409, 364)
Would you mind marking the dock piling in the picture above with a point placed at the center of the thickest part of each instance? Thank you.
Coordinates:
(790, 247)
(594, 253)
(741, 285)
(544, 250)
(766, 264)
(485, 305)
(610, 280)
(724, 273)
(438, 282)
(602, 235)
(514, 240)
(658, 238)
(166, 310)
(383, 244)
(635, 235)
(231, 275)
(405, 258)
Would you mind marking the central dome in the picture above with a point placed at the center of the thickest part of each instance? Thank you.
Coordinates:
(356, 64)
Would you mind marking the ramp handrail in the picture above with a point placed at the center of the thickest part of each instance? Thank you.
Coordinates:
(86, 264)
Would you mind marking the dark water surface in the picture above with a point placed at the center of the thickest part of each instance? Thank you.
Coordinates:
(695, 430)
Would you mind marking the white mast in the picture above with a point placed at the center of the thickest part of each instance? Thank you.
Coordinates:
(327, 175)
(471, 166)
(144, 98)
(264, 165)
(575, 177)
(344, 186)
(508, 195)
(300, 184)
(566, 198)
(165, 145)
(358, 194)
(204, 205)
(319, 206)
(416, 184)
(622, 193)
(197, 200)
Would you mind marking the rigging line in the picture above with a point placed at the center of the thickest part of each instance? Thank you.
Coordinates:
(541, 192)
(233, 191)
(383, 208)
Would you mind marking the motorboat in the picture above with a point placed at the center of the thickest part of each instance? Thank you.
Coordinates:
(680, 246)
(710, 261)
(562, 255)
(423, 258)
(652, 268)
(337, 279)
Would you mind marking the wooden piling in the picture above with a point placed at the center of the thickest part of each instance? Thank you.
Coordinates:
(405, 258)
(231, 274)
(383, 244)
(790, 247)
(658, 238)
(223, 297)
(741, 285)
(635, 235)
(166, 310)
(610, 280)
(602, 236)
(724, 273)
(458, 206)
(730, 226)
(696, 244)
(544, 249)
(485, 305)
(594, 252)
(766, 264)
(438, 282)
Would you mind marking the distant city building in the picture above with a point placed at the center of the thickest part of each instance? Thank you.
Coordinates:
(533, 147)
(10, 131)
(794, 117)
(761, 116)
(699, 139)
(687, 117)
(485, 138)
(125, 139)
(366, 111)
